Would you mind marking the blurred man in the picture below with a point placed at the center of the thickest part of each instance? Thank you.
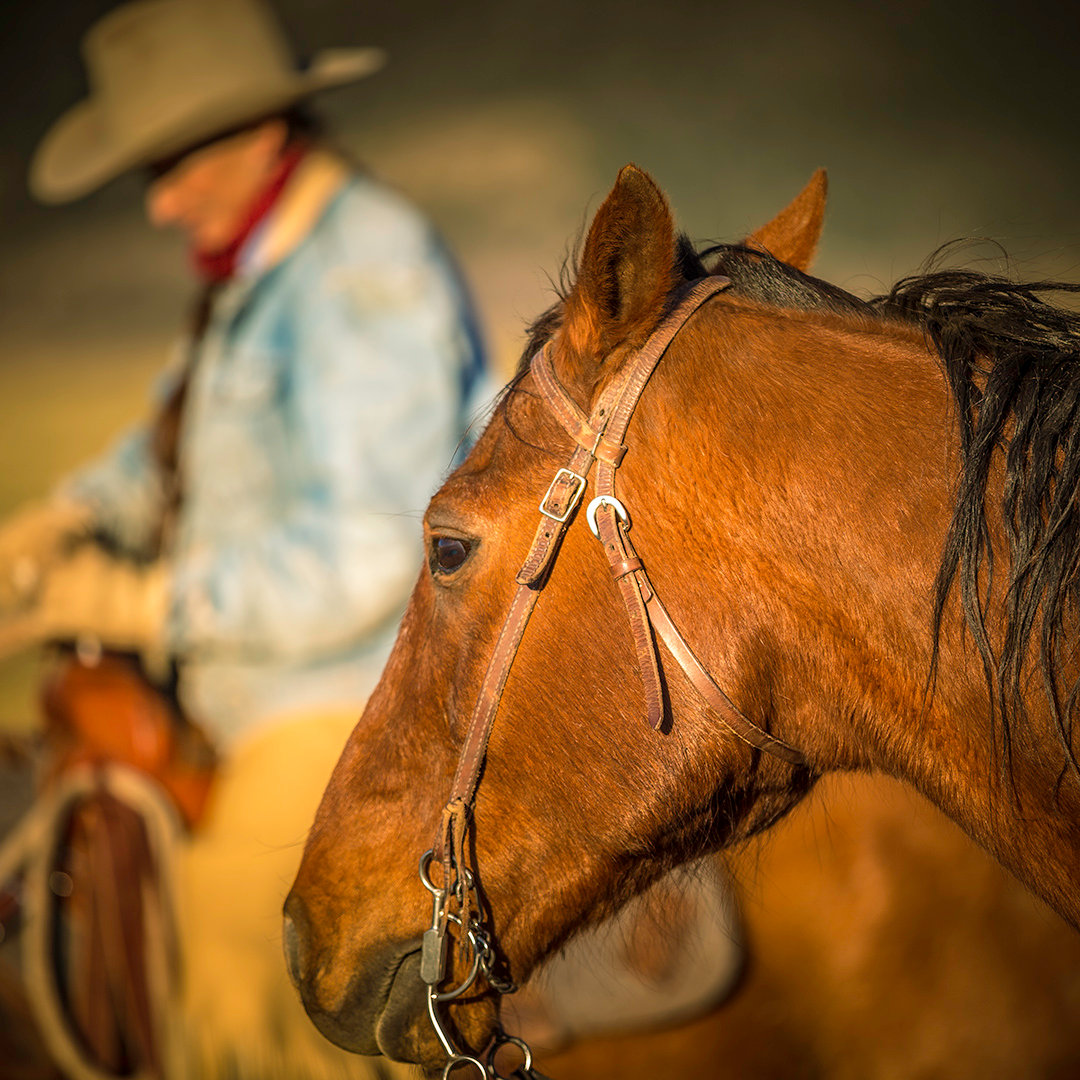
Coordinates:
(272, 505)
(259, 535)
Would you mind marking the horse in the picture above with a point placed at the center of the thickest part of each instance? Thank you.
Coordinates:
(805, 500)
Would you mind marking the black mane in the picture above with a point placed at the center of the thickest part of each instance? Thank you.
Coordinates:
(1012, 361)
(760, 277)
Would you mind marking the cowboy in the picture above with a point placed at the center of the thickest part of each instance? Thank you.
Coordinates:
(323, 395)
(259, 534)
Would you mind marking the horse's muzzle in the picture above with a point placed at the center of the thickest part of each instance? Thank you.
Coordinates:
(380, 1004)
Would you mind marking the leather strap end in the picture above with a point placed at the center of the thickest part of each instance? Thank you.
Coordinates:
(626, 566)
(656, 715)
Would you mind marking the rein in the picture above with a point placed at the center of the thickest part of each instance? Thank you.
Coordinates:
(599, 439)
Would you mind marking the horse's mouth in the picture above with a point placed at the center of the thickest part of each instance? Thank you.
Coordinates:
(399, 1024)
(382, 1010)
(385, 1012)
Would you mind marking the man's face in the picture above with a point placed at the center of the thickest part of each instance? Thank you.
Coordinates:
(207, 191)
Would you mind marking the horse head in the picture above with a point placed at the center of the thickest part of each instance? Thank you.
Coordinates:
(772, 499)
(581, 804)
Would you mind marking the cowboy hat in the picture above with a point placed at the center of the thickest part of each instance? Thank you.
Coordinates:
(166, 75)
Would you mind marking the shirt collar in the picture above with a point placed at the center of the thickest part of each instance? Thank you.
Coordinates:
(309, 191)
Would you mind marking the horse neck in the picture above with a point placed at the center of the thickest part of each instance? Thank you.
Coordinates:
(1024, 810)
(831, 466)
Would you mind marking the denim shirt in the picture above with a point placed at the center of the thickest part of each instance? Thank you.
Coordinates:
(333, 384)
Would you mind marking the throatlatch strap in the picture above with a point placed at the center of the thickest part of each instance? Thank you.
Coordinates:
(628, 572)
(739, 724)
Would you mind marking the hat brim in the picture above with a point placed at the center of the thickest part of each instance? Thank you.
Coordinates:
(79, 154)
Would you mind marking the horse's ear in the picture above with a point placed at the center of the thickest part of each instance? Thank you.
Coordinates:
(627, 270)
(792, 236)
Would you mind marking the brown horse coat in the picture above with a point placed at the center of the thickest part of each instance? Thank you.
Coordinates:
(790, 475)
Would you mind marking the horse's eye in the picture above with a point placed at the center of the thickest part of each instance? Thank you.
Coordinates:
(448, 553)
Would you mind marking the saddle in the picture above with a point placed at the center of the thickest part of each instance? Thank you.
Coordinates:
(109, 712)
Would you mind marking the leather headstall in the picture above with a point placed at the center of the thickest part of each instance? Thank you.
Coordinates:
(598, 438)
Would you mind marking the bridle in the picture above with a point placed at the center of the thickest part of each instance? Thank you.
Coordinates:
(598, 439)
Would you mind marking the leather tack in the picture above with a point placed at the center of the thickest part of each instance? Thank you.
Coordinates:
(599, 439)
(627, 566)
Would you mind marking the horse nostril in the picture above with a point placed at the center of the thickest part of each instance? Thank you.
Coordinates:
(292, 943)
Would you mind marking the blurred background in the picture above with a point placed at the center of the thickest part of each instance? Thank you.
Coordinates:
(507, 120)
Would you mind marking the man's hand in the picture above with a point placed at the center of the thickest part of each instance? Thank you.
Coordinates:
(32, 541)
(92, 595)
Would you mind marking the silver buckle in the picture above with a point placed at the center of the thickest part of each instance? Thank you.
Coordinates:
(605, 500)
(575, 498)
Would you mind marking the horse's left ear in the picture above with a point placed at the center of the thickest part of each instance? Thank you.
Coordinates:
(627, 271)
(792, 236)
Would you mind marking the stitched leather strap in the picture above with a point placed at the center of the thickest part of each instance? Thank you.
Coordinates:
(626, 393)
(645, 612)
(557, 509)
(472, 753)
(707, 687)
(618, 404)
(578, 426)
(598, 437)
(633, 588)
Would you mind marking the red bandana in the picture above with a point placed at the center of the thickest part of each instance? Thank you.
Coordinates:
(220, 265)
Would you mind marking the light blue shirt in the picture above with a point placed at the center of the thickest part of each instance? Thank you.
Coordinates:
(330, 396)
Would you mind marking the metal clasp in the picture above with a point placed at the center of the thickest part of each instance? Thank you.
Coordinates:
(605, 500)
(575, 498)
(475, 942)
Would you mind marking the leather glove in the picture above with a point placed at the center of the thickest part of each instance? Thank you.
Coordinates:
(32, 540)
(91, 595)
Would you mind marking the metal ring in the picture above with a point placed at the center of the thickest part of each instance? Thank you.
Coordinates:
(479, 950)
(425, 862)
(470, 884)
(464, 1059)
(501, 1040)
(605, 500)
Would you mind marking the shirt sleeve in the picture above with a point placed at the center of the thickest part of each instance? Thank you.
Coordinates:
(123, 486)
(371, 403)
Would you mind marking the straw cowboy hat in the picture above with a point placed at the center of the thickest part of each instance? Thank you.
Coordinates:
(168, 74)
